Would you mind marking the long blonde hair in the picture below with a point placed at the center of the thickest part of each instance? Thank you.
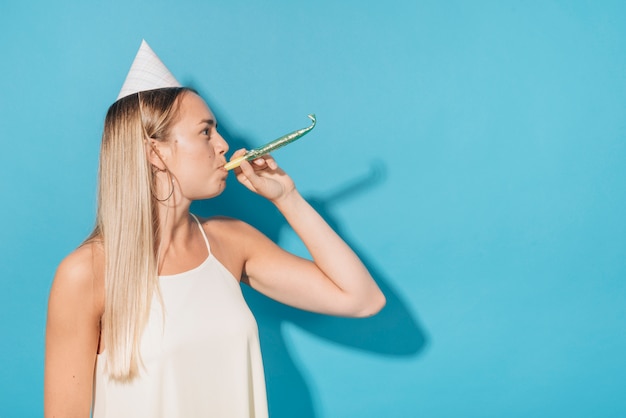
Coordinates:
(127, 221)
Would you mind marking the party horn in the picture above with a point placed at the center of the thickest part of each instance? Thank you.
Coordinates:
(271, 146)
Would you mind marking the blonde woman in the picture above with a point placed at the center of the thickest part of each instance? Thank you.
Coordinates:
(146, 318)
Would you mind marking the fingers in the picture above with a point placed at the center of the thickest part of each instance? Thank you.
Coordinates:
(263, 176)
(255, 168)
(238, 153)
(247, 169)
(261, 162)
(248, 175)
(258, 163)
(265, 161)
(254, 172)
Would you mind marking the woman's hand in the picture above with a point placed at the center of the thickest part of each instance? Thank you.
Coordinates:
(264, 177)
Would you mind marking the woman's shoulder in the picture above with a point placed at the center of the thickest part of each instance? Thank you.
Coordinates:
(81, 273)
(225, 225)
(84, 261)
(232, 236)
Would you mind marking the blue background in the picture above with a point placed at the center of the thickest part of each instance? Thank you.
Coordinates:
(473, 153)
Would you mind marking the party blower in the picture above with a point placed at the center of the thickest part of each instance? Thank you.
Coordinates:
(271, 146)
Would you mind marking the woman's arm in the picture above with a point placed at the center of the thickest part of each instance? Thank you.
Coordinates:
(336, 281)
(72, 334)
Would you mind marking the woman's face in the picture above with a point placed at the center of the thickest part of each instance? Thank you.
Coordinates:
(195, 152)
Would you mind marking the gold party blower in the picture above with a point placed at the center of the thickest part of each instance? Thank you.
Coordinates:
(271, 146)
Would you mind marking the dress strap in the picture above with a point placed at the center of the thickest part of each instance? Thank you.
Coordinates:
(206, 240)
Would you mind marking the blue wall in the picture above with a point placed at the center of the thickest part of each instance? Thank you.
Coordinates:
(473, 153)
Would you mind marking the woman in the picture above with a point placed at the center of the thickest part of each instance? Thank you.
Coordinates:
(146, 318)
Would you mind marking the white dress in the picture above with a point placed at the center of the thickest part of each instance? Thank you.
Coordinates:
(203, 360)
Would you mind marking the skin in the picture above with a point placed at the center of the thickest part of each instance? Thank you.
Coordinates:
(335, 282)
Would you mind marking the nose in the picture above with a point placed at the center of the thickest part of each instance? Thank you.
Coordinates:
(221, 146)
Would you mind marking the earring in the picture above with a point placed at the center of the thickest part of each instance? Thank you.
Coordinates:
(171, 190)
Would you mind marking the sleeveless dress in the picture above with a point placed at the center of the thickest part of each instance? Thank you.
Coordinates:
(201, 354)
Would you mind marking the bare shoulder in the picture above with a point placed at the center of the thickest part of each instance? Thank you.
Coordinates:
(81, 267)
(232, 232)
(233, 241)
(79, 279)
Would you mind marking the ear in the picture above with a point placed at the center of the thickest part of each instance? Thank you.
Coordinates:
(156, 153)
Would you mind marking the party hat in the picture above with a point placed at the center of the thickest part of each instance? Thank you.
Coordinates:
(147, 73)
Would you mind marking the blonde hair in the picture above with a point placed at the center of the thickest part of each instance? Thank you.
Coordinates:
(127, 221)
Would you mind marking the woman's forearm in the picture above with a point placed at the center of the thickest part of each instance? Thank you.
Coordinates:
(332, 255)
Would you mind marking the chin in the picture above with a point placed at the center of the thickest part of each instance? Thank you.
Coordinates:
(215, 193)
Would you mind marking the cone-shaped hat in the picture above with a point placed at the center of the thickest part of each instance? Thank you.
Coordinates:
(147, 73)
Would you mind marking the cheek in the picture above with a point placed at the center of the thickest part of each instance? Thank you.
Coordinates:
(199, 161)
(187, 164)
(197, 154)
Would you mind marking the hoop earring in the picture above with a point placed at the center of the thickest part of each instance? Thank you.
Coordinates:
(171, 189)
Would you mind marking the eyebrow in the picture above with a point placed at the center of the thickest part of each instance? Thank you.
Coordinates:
(210, 122)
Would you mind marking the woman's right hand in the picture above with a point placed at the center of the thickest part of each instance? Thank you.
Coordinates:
(264, 177)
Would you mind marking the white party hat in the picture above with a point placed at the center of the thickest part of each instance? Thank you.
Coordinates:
(147, 73)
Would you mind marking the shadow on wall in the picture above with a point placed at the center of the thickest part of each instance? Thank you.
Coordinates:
(393, 332)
